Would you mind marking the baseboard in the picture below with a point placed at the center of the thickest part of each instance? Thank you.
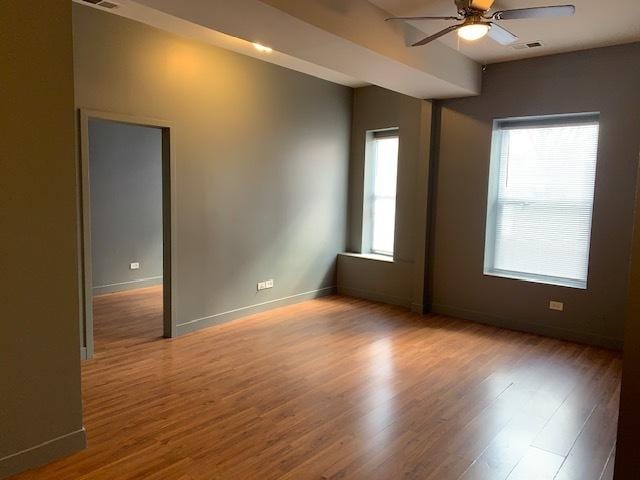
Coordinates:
(374, 296)
(523, 326)
(123, 286)
(43, 453)
(223, 317)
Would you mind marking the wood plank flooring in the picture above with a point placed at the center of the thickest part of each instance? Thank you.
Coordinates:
(338, 388)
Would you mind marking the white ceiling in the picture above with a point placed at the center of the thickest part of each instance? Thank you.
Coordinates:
(597, 23)
(141, 13)
(352, 46)
(348, 41)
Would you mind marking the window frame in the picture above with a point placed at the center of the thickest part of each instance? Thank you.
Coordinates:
(368, 187)
(499, 126)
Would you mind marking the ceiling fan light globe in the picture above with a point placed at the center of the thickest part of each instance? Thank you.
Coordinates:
(473, 31)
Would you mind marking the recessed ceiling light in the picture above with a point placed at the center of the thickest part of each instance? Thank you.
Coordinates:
(261, 48)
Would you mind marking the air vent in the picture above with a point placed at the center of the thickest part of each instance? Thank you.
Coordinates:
(102, 3)
(523, 46)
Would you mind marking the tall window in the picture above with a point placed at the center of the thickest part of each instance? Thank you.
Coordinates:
(381, 169)
(541, 198)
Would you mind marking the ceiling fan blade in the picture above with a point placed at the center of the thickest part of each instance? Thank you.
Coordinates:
(482, 5)
(441, 33)
(501, 35)
(535, 12)
(423, 18)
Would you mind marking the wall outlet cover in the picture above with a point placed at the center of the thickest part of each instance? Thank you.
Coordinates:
(557, 306)
(134, 265)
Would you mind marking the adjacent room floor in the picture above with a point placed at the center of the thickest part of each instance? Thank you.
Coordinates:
(338, 388)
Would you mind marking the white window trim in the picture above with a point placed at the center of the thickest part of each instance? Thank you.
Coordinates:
(499, 125)
(367, 203)
(535, 278)
(369, 256)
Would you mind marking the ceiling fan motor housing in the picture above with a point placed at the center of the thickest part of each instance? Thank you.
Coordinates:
(475, 19)
(471, 7)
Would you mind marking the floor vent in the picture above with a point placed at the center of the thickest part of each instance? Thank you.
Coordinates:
(522, 46)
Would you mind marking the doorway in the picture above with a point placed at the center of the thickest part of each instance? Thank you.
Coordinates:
(127, 214)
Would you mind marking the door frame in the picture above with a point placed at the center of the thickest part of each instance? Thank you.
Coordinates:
(168, 221)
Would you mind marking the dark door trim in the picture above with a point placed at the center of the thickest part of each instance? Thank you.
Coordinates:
(168, 221)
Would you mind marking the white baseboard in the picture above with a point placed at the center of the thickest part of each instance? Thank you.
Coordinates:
(223, 317)
(42, 453)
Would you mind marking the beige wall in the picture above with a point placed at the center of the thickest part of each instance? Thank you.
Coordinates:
(400, 282)
(601, 80)
(39, 354)
(261, 162)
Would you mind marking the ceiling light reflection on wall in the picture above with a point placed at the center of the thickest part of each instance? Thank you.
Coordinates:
(262, 49)
(473, 31)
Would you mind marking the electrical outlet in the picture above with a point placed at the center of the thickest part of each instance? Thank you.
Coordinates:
(558, 306)
(134, 266)
(266, 284)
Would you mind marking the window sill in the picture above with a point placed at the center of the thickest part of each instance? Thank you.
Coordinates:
(523, 277)
(368, 256)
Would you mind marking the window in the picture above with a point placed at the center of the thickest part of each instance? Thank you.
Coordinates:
(541, 198)
(381, 169)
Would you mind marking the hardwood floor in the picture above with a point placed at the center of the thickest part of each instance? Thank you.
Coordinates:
(338, 388)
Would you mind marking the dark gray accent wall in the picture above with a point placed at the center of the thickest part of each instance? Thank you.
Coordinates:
(261, 154)
(601, 80)
(125, 164)
(399, 281)
(40, 404)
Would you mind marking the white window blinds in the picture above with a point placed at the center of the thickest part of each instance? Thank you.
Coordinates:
(541, 199)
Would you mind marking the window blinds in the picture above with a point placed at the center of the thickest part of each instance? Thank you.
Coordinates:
(541, 200)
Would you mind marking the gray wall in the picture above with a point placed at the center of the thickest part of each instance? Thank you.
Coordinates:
(604, 80)
(262, 161)
(400, 282)
(40, 407)
(126, 205)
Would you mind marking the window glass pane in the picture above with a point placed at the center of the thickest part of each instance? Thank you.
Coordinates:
(541, 222)
(384, 210)
(385, 166)
(383, 195)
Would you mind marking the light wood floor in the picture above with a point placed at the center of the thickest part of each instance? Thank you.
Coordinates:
(338, 388)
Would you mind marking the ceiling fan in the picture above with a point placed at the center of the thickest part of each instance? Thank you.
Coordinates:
(477, 22)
